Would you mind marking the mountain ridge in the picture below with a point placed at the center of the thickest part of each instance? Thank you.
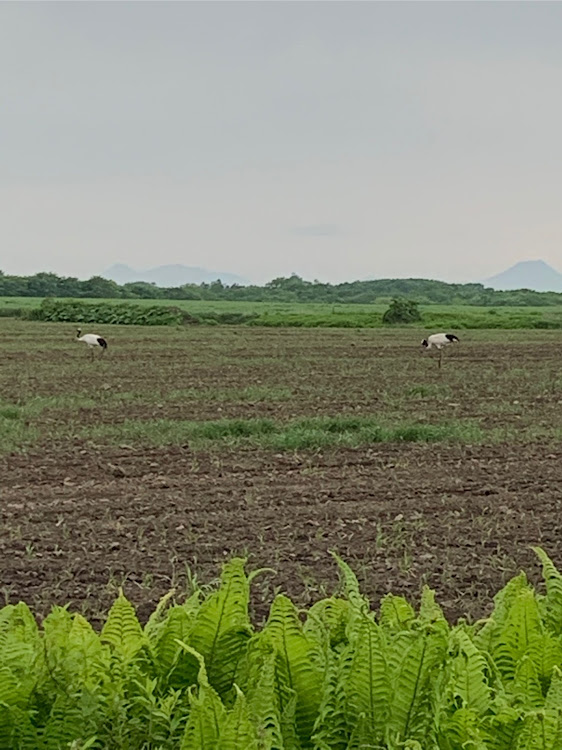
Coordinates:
(527, 274)
(170, 275)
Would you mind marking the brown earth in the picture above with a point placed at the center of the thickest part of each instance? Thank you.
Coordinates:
(79, 517)
(77, 523)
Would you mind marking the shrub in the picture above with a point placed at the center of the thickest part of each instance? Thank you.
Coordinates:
(123, 313)
(402, 310)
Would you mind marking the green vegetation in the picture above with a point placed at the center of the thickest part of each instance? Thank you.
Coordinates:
(200, 676)
(278, 315)
(282, 289)
(402, 310)
(309, 433)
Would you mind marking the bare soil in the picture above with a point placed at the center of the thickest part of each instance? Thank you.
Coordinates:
(79, 518)
(78, 523)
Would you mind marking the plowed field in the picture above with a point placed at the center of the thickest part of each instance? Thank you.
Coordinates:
(100, 487)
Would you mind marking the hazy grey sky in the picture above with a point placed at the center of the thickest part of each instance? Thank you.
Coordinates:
(338, 140)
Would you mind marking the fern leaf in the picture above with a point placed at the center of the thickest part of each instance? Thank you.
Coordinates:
(222, 626)
(430, 611)
(296, 670)
(416, 659)
(72, 721)
(263, 699)
(327, 622)
(176, 666)
(489, 635)
(502, 730)
(522, 626)
(396, 614)
(526, 686)
(553, 600)
(351, 586)
(469, 678)
(122, 630)
(207, 713)
(462, 730)
(553, 700)
(331, 730)
(238, 731)
(367, 683)
(546, 654)
(158, 617)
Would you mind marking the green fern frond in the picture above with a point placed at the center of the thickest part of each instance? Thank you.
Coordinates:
(207, 713)
(72, 720)
(327, 622)
(222, 626)
(502, 730)
(396, 614)
(264, 701)
(351, 586)
(490, 633)
(122, 630)
(526, 686)
(546, 654)
(462, 730)
(415, 660)
(238, 731)
(553, 599)
(331, 731)
(430, 612)
(553, 700)
(176, 666)
(469, 675)
(366, 676)
(296, 670)
(522, 626)
(158, 617)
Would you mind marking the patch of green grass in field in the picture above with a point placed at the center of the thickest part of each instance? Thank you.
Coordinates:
(15, 431)
(314, 432)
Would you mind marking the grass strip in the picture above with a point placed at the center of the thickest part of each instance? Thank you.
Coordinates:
(307, 433)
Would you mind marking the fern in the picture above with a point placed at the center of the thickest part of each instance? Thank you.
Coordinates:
(359, 602)
(122, 630)
(470, 675)
(415, 659)
(263, 700)
(296, 671)
(207, 714)
(396, 614)
(331, 731)
(526, 686)
(238, 731)
(222, 626)
(367, 685)
(553, 600)
(176, 667)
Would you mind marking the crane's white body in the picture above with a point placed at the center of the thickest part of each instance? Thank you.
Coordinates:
(439, 340)
(93, 341)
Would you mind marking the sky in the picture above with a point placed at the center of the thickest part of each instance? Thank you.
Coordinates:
(336, 140)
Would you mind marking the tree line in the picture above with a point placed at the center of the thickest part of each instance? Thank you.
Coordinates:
(282, 289)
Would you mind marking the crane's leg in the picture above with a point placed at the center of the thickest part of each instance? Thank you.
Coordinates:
(440, 358)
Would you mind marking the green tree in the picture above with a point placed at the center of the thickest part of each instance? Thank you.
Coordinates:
(402, 310)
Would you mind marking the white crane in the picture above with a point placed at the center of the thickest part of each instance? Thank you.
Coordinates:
(93, 341)
(439, 340)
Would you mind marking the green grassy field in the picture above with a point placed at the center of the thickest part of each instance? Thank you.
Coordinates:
(334, 315)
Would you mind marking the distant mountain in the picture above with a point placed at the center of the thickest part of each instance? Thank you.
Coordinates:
(529, 274)
(174, 275)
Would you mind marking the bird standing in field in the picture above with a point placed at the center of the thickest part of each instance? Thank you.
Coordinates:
(93, 341)
(439, 340)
